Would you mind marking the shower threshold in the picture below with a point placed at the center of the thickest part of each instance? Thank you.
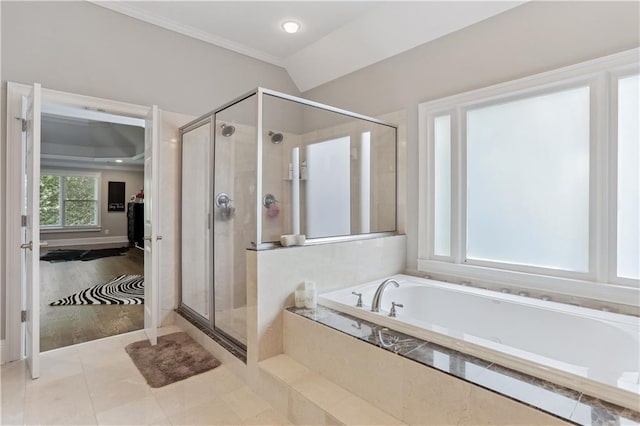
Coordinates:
(230, 344)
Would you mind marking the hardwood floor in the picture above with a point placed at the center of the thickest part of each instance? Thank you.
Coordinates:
(67, 325)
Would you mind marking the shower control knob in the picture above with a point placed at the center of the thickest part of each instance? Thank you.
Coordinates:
(223, 200)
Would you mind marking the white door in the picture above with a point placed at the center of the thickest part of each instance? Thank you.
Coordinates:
(151, 222)
(31, 106)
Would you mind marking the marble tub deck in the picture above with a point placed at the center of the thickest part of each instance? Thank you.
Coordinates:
(564, 403)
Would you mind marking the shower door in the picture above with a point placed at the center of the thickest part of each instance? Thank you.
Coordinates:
(234, 218)
(218, 219)
(196, 296)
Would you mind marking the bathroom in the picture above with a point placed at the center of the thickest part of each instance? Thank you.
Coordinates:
(231, 282)
(351, 280)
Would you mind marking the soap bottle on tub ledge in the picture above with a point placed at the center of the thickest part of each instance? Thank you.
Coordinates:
(310, 295)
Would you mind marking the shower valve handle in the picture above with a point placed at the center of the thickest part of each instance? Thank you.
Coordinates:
(223, 200)
(395, 305)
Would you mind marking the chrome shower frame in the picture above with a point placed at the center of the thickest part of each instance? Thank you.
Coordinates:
(258, 244)
(223, 338)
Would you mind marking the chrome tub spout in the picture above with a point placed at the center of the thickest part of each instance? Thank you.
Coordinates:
(377, 297)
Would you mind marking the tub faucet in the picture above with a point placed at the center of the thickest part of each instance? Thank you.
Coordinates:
(377, 298)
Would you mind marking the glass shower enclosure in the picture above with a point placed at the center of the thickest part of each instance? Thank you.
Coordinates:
(266, 165)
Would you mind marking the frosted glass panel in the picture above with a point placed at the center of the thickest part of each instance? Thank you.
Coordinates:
(528, 181)
(328, 199)
(442, 185)
(628, 177)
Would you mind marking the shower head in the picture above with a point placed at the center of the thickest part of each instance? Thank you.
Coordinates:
(227, 130)
(276, 138)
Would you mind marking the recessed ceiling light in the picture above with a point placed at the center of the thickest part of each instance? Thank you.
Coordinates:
(118, 161)
(290, 27)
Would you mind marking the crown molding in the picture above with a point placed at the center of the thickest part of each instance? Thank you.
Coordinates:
(188, 31)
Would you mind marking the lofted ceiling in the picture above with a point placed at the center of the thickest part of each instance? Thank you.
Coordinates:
(335, 39)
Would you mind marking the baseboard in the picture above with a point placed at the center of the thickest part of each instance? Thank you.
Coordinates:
(87, 241)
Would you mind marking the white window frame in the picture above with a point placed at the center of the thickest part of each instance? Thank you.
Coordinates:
(601, 75)
(615, 76)
(73, 228)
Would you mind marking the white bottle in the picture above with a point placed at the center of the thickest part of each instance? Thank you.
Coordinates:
(300, 298)
(310, 299)
(310, 295)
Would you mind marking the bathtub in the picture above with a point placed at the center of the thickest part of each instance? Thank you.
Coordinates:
(591, 351)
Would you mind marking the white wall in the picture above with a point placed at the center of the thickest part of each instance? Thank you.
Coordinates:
(82, 48)
(529, 39)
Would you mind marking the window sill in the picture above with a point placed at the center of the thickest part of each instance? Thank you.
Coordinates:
(65, 230)
(598, 291)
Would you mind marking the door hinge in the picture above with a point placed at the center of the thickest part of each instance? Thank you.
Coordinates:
(23, 220)
(23, 316)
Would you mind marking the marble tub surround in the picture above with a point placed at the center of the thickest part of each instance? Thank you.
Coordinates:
(305, 397)
(483, 386)
(545, 339)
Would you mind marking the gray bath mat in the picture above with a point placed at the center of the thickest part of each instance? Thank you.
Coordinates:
(176, 357)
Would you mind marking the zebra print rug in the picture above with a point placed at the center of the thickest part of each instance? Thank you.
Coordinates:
(122, 290)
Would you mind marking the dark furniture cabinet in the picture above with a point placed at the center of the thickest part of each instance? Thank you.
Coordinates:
(135, 223)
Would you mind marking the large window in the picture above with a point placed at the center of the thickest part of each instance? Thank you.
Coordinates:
(628, 177)
(528, 181)
(535, 178)
(69, 200)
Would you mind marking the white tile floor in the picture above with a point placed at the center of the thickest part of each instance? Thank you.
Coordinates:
(97, 383)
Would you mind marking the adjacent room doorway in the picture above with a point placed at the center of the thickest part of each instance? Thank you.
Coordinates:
(24, 133)
(92, 221)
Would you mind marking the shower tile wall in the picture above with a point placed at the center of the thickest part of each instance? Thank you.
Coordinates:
(235, 161)
(244, 230)
(277, 158)
(383, 164)
(169, 225)
(224, 274)
(400, 119)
